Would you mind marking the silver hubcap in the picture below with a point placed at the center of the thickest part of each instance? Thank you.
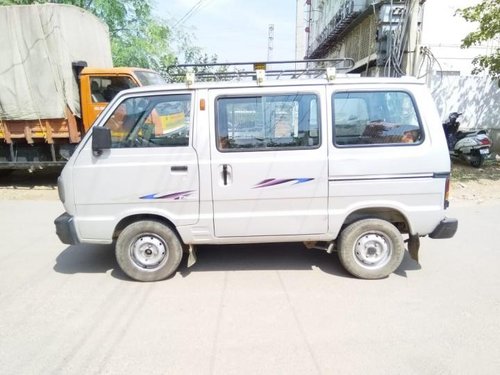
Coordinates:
(148, 251)
(373, 250)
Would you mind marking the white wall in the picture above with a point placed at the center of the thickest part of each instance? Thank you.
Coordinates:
(477, 97)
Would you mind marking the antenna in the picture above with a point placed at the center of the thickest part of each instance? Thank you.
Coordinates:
(270, 43)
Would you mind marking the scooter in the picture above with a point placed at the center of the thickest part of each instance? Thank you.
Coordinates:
(471, 146)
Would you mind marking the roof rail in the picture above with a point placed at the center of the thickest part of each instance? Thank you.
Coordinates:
(310, 68)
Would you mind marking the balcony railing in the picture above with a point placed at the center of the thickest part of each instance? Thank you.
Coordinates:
(348, 11)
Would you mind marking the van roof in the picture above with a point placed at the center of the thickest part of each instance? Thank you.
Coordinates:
(273, 73)
(339, 80)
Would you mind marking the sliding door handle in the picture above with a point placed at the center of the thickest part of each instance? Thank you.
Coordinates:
(224, 173)
(179, 168)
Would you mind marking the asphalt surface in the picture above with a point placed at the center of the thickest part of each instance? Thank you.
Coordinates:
(267, 309)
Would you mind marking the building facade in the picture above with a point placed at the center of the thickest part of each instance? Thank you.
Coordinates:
(420, 38)
(381, 36)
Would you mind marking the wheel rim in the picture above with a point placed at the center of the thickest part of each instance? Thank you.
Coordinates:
(148, 251)
(373, 250)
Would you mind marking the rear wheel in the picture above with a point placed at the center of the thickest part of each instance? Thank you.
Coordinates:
(148, 251)
(477, 161)
(371, 248)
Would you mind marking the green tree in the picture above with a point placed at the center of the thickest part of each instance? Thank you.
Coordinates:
(137, 37)
(191, 54)
(487, 15)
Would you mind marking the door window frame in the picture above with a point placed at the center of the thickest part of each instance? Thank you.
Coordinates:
(317, 95)
(422, 134)
(121, 98)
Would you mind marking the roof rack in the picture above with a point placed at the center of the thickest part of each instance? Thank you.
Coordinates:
(310, 68)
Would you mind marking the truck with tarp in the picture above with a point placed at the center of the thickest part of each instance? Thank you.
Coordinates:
(56, 76)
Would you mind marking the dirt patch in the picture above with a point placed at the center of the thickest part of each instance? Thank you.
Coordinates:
(468, 183)
(480, 190)
(475, 184)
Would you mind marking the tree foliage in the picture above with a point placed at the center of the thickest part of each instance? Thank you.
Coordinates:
(487, 15)
(138, 38)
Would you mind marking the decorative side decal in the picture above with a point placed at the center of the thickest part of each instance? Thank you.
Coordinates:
(174, 196)
(278, 181)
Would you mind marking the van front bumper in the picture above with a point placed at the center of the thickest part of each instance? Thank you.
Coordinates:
(445, 229)
(65, 229)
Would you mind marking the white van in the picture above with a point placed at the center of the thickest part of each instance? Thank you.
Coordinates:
(347, 164)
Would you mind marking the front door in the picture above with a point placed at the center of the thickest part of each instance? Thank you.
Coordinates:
(269, 163)
(151, 167)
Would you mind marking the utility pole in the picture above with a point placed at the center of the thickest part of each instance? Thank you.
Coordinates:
(300, 31)
(270, 42)
(415, 38)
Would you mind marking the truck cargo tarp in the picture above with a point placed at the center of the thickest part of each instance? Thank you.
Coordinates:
(38, 44)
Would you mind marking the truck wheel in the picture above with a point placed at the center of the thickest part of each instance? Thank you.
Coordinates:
(148, 251)
(5, 172)
(371, 248)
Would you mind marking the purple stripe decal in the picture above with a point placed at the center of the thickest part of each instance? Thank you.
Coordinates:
(174, 196)
(277, 181)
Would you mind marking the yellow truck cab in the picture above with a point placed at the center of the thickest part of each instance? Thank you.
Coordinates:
(99, 86)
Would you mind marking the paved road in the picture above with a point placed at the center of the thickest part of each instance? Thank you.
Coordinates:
(247, 310)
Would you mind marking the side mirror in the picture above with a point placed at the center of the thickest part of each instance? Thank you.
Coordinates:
(101, 139)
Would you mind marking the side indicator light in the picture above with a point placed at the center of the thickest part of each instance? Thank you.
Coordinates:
(447, 193)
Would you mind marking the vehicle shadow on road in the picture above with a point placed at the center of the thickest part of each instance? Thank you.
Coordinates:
(408, 264)
(283, 256)
(101, 259)
(262, 257)
(256, 257)
(89, 259)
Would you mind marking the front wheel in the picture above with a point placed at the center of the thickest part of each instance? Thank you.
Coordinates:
(148, 251)
(371, 248)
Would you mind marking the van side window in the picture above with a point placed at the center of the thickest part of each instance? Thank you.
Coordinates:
(151, 121)
(375, 118)
(267, 122)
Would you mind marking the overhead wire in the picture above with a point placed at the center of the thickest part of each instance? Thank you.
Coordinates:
(192, 11)
(429, 60)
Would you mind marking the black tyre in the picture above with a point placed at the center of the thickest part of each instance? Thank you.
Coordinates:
(477, 161)
(371, 248)
(5, 172)
(148, 251)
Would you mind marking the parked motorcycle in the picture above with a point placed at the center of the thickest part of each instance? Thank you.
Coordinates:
(472, 146)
